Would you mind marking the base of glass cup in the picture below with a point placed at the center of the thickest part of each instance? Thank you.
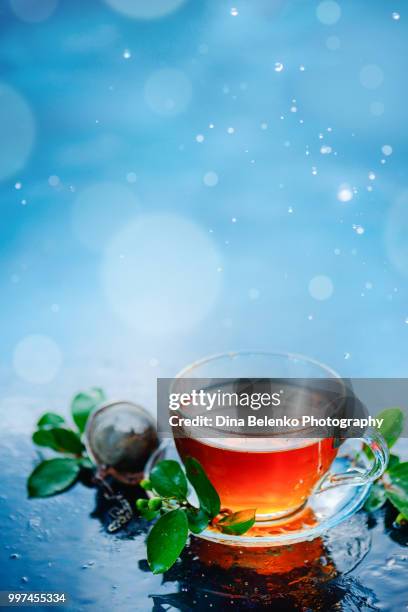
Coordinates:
(288, 514)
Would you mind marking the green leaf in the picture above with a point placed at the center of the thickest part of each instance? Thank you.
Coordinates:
(45, 437)
(52, 476)
(207, 495)
(50, 419)
(83, 404)
(238, 522)
(401, 519)
(393, 461)
(376, 498)
(168, 479)
(396, 489)
(197, 519)
(86, 463)
(59, 439)
(166, 540)
(392, 426)
(149, 515)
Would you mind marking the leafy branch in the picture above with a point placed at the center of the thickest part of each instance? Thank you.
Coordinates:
(177, 517)
(393, 485)
(53, 476)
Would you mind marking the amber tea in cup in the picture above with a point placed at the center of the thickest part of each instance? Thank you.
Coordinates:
(274, 474)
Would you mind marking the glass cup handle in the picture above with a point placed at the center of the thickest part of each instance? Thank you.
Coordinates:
(359, 476)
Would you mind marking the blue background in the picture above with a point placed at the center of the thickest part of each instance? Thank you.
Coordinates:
(243, 277)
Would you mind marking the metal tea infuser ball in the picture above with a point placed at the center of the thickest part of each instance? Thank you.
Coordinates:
(120, 437)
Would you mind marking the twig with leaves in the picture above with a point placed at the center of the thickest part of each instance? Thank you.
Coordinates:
(53, 476)
(176, 516)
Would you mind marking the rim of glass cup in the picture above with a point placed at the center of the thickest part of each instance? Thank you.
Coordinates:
(271, 354)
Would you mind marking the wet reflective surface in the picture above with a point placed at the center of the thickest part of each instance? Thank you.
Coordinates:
(62, 544)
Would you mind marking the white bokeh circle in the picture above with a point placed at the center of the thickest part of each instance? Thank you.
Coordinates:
(371, 76)
(396, 234)
(37, 359)
(160, 274)
(17, 131)
(168, 92)
(101, 209)
(33, 11)
(321, 287)
(328, 12)
(145, 9)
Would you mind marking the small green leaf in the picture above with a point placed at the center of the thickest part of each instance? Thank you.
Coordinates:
(197, 519)
(86, 463)
(393, 461)
(149, 515)
(238, 522)
(396, 489)
(83, 404)
(401, 519)
(168, 479)
(207, 495)
(392, 426)
(45, 437)
(59, 439)
(50, 419)
(166, 540)
(376, 498)
(52, 476)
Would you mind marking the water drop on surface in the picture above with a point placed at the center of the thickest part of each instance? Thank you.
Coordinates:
(127, 54)
(278, 67)
(396, 16)
(234, 12)
(371, 176)
(18, 186)
(386, 149)
(200, 138)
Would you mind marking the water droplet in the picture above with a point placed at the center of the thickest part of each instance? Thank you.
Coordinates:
(127, 54)
(302, 68)
(18, 186)
(15, 556)
(344, 193)
(234, 12)
(278, 67)
(347, 355)
(406, 320)
(359, 229)
(231, 130)
(325, 150)
(290, 210)
(234, 220)
(386, 149)
(200, 138)
(371, 176)
(314, 170)
(396, 16)
(264, 126)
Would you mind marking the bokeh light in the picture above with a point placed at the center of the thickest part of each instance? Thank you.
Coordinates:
(17, 130)
(371, 76)
(321, 287)
(33, 11)
(142, 9)
(168, 92)
(37, 359)
(160, 274)
(100, 210)
(328, 12)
